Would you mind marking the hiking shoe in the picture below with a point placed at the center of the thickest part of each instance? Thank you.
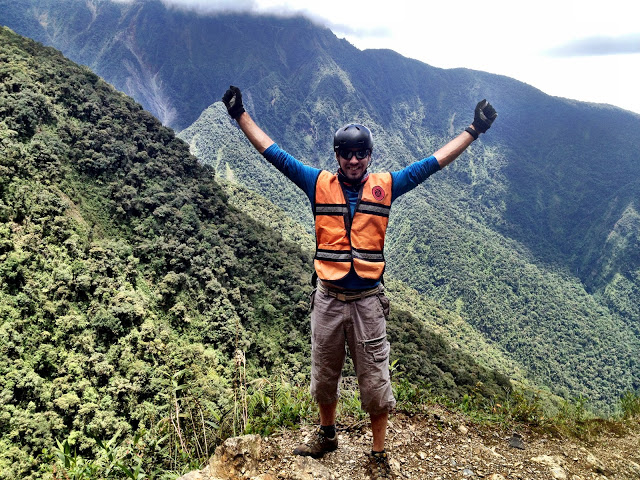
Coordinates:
(318, 446)
(378, 466)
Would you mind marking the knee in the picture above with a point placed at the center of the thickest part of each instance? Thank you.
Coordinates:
(325, 390)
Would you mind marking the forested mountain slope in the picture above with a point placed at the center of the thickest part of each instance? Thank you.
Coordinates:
(133, 297)
(122, 267)
(532, 236)
(544, 319)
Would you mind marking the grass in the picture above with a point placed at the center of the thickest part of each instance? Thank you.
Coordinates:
(270, 405)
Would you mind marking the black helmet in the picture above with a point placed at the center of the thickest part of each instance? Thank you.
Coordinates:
(353, 136)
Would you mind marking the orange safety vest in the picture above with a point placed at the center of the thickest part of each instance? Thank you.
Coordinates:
(341, 240)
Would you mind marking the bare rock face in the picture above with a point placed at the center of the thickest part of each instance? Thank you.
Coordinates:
(596, 465)
(197, 475)
(238, 458)
(555, 466)
(306, 468)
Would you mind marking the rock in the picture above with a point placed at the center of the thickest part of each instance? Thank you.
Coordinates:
(634, 467)
(496, 476)
(516, 441)
(554, 465)
(237, 458)
(463, 430)
(485, 452)
(306, 468)
(596, 465)
(204, 474)
(196, 475)
(558, 472)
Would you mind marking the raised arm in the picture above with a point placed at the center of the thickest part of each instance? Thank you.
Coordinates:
(233, 101)
(484, 116)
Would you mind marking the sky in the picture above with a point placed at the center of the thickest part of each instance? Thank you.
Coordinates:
(585, 50)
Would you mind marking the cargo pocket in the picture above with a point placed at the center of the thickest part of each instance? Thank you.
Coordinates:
(384, 303)
(378, 348)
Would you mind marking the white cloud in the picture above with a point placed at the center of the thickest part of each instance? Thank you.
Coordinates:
(208, 6)
(599, 45)
(515, 39)
(581, 49)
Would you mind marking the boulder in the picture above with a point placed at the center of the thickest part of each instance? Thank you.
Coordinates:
(554, 465)
(238, 458)
(306, 468)
(596, 465)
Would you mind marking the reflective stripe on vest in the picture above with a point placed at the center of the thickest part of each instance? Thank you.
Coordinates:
(342, 241)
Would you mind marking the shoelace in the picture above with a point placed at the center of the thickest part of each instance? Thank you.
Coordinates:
(383, 469)
(320, 437)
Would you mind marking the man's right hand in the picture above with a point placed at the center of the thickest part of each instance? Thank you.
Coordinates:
(484, 116)
(232, 99)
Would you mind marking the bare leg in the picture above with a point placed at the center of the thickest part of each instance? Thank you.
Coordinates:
(379, 430)
(378, 465)
(321, 444)
(328, 414)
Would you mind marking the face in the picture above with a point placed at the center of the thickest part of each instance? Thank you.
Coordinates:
(354, 167)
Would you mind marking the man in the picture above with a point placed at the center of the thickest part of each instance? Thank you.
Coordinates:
(351, 210)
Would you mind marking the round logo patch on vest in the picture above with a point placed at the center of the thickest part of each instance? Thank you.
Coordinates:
(378, 192)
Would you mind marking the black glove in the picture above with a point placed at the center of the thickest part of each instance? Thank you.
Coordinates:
(484, 116)
(232, 99)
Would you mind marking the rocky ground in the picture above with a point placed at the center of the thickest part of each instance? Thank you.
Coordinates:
(437, 445)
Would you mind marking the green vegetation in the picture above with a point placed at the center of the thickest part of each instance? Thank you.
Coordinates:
(630, 404)
(275, 404)
(531, 237)
(525, 318)
(122, 266)
(143, 319)
(559, 333)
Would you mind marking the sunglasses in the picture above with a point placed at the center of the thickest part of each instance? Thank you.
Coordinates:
(360, 154)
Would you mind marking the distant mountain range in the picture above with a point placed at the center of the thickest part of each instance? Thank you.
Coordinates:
(532, 236)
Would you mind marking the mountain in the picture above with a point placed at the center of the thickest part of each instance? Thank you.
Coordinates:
(531, 236)
(137, 305)
(122, 270)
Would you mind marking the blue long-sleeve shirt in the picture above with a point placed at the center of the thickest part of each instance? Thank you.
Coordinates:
(305, 177)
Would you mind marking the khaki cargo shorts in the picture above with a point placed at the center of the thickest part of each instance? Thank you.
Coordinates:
(361, 324)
